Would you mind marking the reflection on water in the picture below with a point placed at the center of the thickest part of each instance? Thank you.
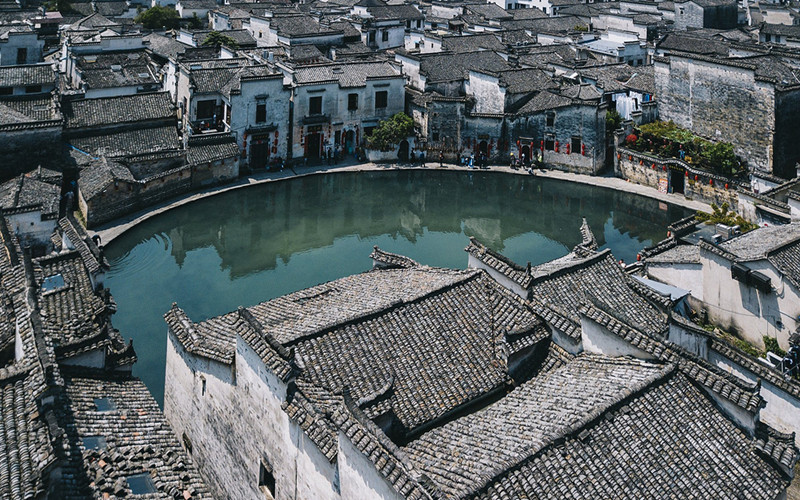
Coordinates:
(253, 244)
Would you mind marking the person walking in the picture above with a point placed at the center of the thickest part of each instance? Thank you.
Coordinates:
(441, 158)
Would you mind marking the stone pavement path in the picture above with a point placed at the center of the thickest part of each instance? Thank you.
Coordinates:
(109, 231)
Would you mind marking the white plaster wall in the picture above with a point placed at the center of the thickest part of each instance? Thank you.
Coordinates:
(752, 313)
(243, 111)
(489, 96)
(782, 411)
(111, 92)
(93, 359)
(695, 343)
(29, 226)
(474, 263)
(359, 478)
(598, 340)
(239, 422)
(564, 341)
(685, 276)
(446, 11)
(794, 207)
(410, 69)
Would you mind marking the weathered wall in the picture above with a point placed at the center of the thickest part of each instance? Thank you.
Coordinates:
(685, 276)
(783, 409)
(598, 340)
(651, 171)
(787, 123)
(504, 280)
(25, 149)
(742, 308)
(721, 102)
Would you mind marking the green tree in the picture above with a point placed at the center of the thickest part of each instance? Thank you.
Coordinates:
(719, 157)
(723, 215)
(158, 17)
(195, 22)
(390, 132)
(613, 119)
(62, 6)
(217, 39)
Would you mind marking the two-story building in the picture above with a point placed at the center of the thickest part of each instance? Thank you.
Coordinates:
(338, 105)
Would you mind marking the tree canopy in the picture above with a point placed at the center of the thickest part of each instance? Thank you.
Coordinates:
(158, 17)
(390, 132)
(217, 39)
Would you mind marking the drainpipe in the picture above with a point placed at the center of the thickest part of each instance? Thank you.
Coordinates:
(289, 136)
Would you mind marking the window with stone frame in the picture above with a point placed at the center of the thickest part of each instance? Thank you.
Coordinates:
(550, 118)
(549, 143)
(381, 99)
(352, 102)
(385, 35)
(576, 144)
(261, 110)
(266, 478)
(315, 105)
(22, 55)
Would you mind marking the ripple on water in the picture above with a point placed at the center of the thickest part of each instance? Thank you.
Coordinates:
(146, 255)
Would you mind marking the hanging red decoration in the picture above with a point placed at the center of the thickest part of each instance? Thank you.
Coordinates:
(696, 177)
(583, 150)
(686, 173)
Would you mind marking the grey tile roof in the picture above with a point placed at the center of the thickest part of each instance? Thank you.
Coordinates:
(786, 258)
(471, 43)
(351, 74)
(118, 110)
(670, 441)
(500, 263)
(298, 26)
(28, 190)
(395, 12)
(741, 393)
(72, 313)
(138, 441)
(543, 101)
(33, 110)
(680, 254)
(32, 74)
(26, 451)
(465, 454)
(757, 243)
(119, 69)
(388, 259)
(413, 364)
(79, 239)
(164, 46)
(449, 67)
(126, 142)
(207, 148)
(598, 280)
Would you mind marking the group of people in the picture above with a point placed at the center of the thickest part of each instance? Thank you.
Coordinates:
(333, 155)
(482, 161)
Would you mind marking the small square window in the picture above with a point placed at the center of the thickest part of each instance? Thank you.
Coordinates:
(104, 404)
(551, 119)
(315, 105)
(576, 144)
(385, 36)
(94, 443)
(141, 484)
(266, 479)
(6, 90)
(53, 282)
(261, 112)
(33, 89)
(381, 99)
(352, 102)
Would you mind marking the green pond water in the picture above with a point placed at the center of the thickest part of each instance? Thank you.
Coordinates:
(250, 245)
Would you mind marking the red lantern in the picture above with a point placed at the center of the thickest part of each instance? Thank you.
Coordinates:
(711, 182)
(567, 148)
(583, 150)
(556, 146)
(276, 134)
(686, 173)
(664, 168)
(641, 162)
(726, 185)
(630, 157)
(541, 145)
(638, 257)
(696, 177)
